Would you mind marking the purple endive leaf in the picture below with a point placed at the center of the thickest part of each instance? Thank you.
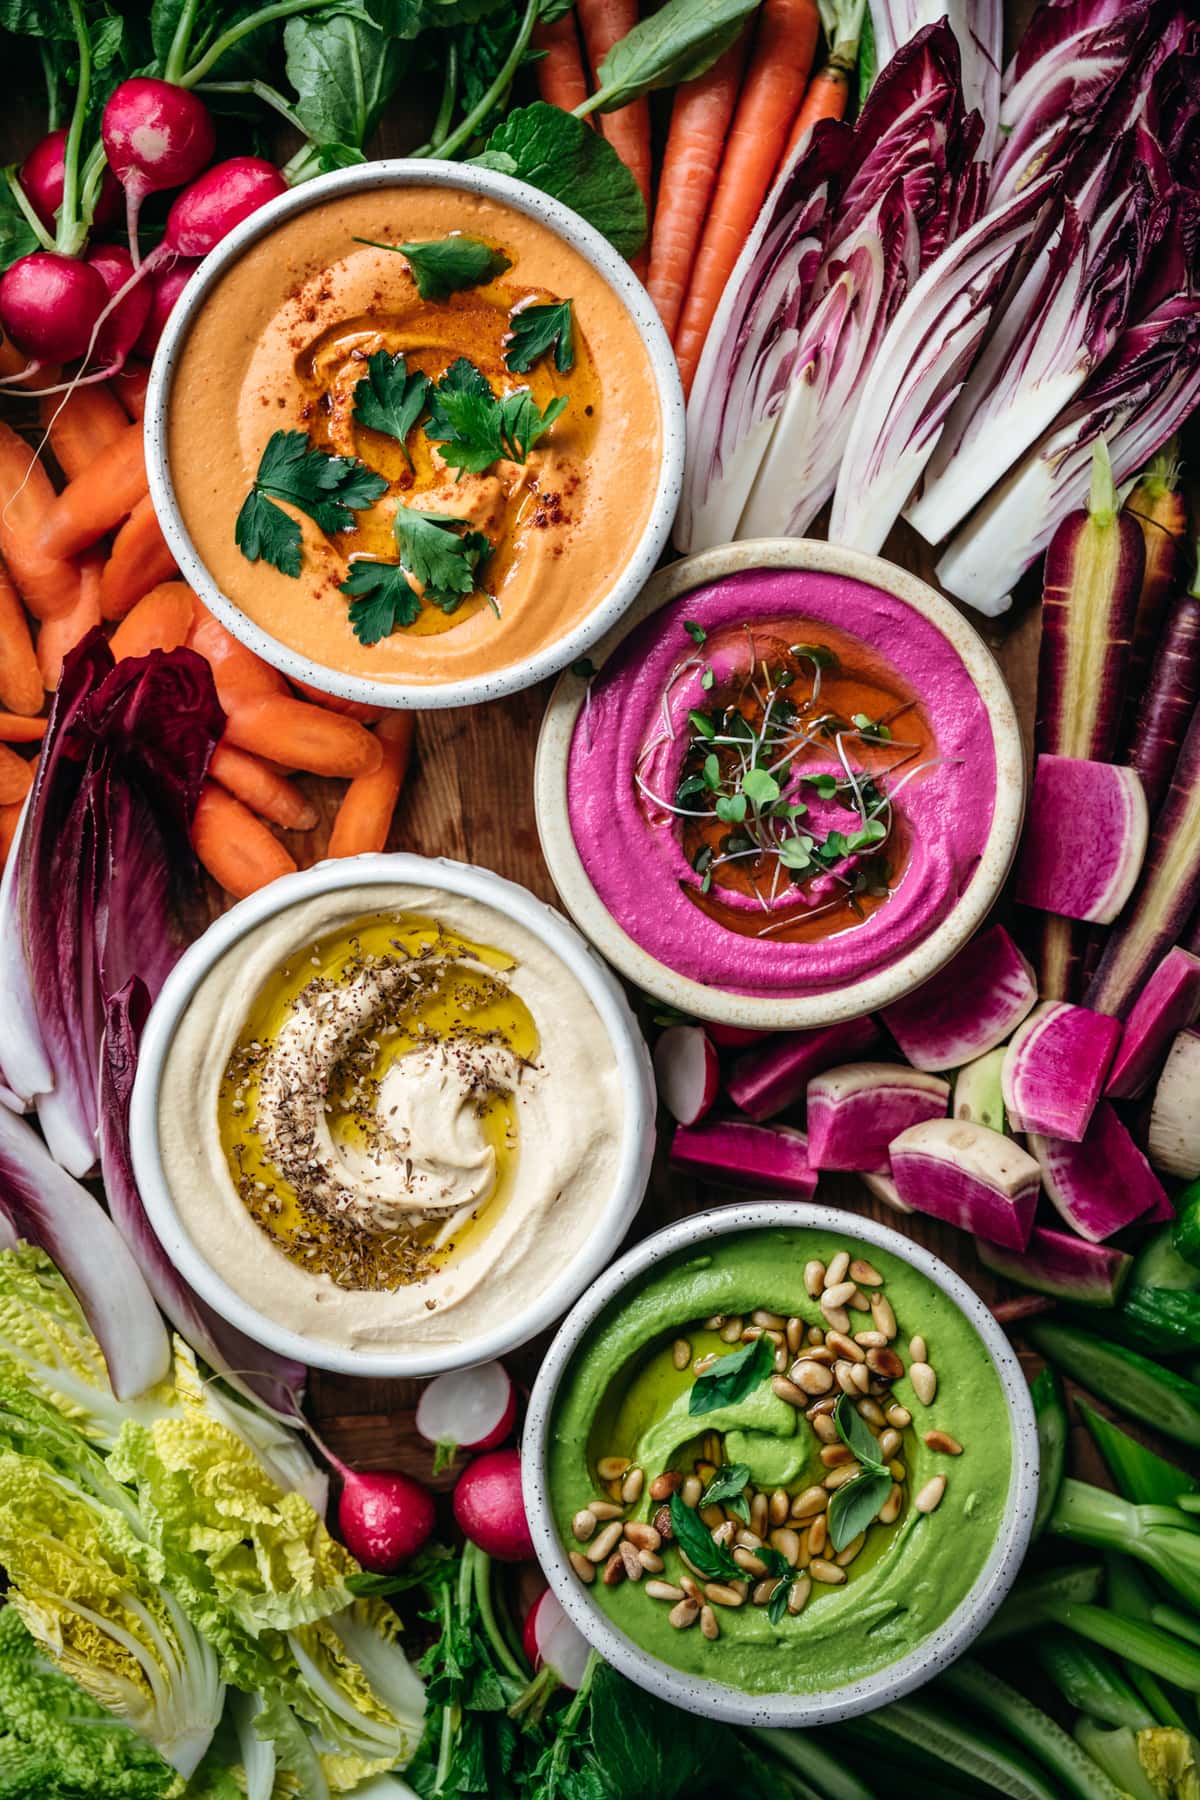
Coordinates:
(24, 1064)
(978, 26)
(46, 1207)
(275, 1380)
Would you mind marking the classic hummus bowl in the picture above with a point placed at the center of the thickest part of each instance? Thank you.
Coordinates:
(391, 1115)
(780, 1464)
(415, 434)
(786, 788)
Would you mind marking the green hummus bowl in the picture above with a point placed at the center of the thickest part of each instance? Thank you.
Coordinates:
(781, 1464)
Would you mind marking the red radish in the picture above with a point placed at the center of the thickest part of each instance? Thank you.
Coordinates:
(968, 1007)
(124, 325)
(775, 1074)
(854, 1112)
(42, 179)
(156, 136)
(222, 197)
(557, 1652)
(1101, 1184)
(1055, 1069)
(1170, 697)
(1059, 1263)
(1084, 838)
(384, 1518)
(490, 1508)
(1169, 1002)
(49, 305)
(164, 286)
(467, 1409)
(968, 1176)
(773, 1158)
(685, 1067)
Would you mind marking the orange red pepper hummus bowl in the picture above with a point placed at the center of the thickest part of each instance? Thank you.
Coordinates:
(415, 434)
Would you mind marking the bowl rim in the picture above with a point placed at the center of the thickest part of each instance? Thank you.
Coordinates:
(604, 260)
(715, 1699)
(855, 997)
(511, 901)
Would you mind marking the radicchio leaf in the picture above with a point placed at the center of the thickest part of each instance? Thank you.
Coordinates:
(979, 28)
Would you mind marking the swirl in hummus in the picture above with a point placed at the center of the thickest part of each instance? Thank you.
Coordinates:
(368, 1115)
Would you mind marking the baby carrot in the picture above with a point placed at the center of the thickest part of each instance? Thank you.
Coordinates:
(775, 79)
(262, 788)
(10, 818)
(98, 498)
(18, 728)
(63, 632)
(161, 620)
(353, 709)
(81, 426)
(603, 24)
(700, 116)
(560, 74)
(238, 850)
(303, 736)
(16, 776)
(239, 674)
(139, 560)
(130, 386)
(365, 815)
(47, 584)
(20, 678)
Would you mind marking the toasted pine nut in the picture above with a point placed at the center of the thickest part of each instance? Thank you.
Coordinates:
(871, 1411)
(794, 1332)
(746, 1559)
(889, 1443)
(889, 1512)
(845, 1557)
(836, 1317)
(721, 1594)
(749, 1540)
(605, 1543)
(942, 1442)
(924, 1382)
(813, 1500)
(783, 1357)
(681, 1354)
(836, 1293)
(663, 1590)
(706, 1471)
(642, 1537)
(918, 1350)
(611, 1468)
(764, 1589)
(684, 1614)
(814, 1278)
(713, 1516)
(834, 1455)
(778, 1509)
(666, 1484)
(613, 1571)
(813, 1375)
(605, 1509)
(884, 1317)
(691, 1588)
(827, 1572)
(631, 1487)
(865, 1273)
(715, 1323)
(691, 1490)
(870, 1340)
(839, 1477)
(825, 1428)
(798, 1593)
(760, 1508)
(845, 1347)
(708, 1623)
(818, 1534)
(768, 1320)
(724, 1534)
(651, 1562)
(836, 1272)
(896, 1469)
(898, 1415)
(787, 1542)
(751, 1332)
(858, 1302)
(629, 1558)
(662, 1524)
(787, 1390)
(704, 1363)
(585, 1570)
(860, 1377)
(845, 1377)
(885, 1363)
(930, 1495)
(583, 1525)
(731, 1330)
(815, 1335)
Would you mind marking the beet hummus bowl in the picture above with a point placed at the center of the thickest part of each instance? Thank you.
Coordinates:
(785, 789)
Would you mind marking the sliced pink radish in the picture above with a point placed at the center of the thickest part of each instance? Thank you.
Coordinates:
(490, 1508)
(685, 1067)
(552, 1642)
(775, 1074)
(467, 1409)
(1169, 1002)
(1102, 1183)
(1055, 1068)
(770, 1158)
(1084, 840)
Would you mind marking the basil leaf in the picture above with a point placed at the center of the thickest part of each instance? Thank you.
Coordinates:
(852, 1507)
(857, 1435)
(726, 1484)
(695, 1540)
(778, 1566)
(732, 1377)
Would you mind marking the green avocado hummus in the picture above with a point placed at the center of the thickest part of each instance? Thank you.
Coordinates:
(624, 1403)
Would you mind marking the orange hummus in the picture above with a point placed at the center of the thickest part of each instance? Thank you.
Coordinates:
(282, 342)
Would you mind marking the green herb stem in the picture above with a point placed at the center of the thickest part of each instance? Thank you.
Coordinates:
(69, 236)
(50, 74)
(468, 126)
(487, 1612)
(282, 9)
(24, 206)
(262, 90)
(441, 125)
(180, 41)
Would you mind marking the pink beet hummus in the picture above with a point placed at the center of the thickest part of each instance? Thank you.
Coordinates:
(782, 782)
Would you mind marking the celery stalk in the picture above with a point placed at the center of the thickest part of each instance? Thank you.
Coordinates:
(1116, 1753)
(1089, 1682)
(975, 1686)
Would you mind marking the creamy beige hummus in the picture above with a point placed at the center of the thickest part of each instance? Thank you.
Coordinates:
(496, 1225)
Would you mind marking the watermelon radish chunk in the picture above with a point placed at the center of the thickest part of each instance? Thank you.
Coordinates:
(968, 1176)
(774, 1075)
(854, 1112)
(884, 1188)
(1169, 1002)
(1174, 1135)
(1055, 1069)
(977, 1091)
(1084, 840)
(1058, 1263)
(969, 1007)
(1101, 1184)
(769, 1158)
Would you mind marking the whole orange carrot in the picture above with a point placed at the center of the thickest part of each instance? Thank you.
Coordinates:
(16, 776)
(365, 815)
(829, 90)
(237, 849)
(10, 818)
(700, 116)
(98, 498)
(780, 60)
(64, 631)
(20, 678)
(47, 584)
(82, 425)
(161, 620)
(603, 24)
(240, 675)
(560, 74)
(139, 560)
(19, 728)
(258, 785)
(353, 709)
(303, 736)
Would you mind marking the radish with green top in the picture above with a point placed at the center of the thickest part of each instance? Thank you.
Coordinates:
(854, 1112)
(1084, 839)
(1063, 1265)
(686, 1072)
(775, 1074)
(735, 1153)
(466, 1409)
(1170, 697)
(489, 1506)
(1166, 896)
(969, 1007)
(1055, 1069)
(1169, 1002)
(556, 1651)
(1102, 1183)
(977, 1091)
(968, 1176)
(1174, 1134)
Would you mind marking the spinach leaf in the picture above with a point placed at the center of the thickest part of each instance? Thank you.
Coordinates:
(553, 151)
(732, 1377)
(344, 70)
(678, 42)
(853, 1506)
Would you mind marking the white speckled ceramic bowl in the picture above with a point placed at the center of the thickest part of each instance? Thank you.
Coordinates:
(715, 1699)
(543, 1304)
(606, 261)
(851, 998)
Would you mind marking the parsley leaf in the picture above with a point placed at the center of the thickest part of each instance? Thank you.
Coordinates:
(523, 422)
(330, 489)
(732, 1377)
(536, 329)
(476, 429)
(389, 399)
(441, 266)
(443, 562)
(382, 599)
